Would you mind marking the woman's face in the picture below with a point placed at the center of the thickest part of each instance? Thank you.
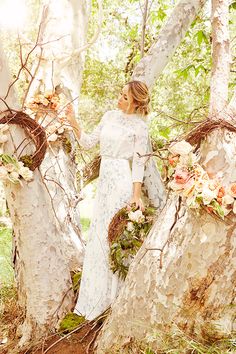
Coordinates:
(125, 101)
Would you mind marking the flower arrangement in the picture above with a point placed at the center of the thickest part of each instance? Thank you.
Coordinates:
(10, 168)
(48, 100)
(194, 184)
(55, 121)
(126, 234)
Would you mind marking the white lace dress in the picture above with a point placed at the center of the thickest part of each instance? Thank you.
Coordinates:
(121, 137)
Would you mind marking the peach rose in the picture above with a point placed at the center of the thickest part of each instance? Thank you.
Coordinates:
(232, 190)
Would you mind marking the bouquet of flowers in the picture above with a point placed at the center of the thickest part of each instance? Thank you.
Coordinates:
(126, 234)
(194, 184)
(54, 122)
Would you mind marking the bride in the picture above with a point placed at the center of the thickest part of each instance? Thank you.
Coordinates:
(123, 138)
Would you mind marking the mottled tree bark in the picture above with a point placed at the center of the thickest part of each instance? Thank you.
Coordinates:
(152, 64)
(42, 273)
(62, 64)
(183, 279)
(220, 57)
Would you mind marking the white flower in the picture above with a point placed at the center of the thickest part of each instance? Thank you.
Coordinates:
(10, 167)
(130, 226)
(3, 173)
(136, 216)
(60, 130)
(52, 137)
(3, 138)
(208, 195)
(180, 148)
(227, 199)
(26, 173)
(14, 176)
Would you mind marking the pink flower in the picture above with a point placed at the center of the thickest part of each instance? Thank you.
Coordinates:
(181, 176)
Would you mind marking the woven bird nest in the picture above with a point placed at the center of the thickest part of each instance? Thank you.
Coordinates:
(34, 131)
(195, 136)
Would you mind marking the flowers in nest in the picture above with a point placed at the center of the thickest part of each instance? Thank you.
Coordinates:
(10, 168)
(194, 184)
(49, 100)
(54, 122)
(126, 234)
(13, 170)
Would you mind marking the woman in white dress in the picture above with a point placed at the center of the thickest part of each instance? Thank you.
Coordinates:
(123, 137)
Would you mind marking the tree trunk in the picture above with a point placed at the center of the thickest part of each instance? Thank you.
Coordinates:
(62, 67)
(183, 279)
(220, 58)
(42, 273)
(151, 66)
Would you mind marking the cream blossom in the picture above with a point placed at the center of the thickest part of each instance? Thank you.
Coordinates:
(136, 216)
(60, 130)
(208, 195)
(52, 137)
(10, 167)
(130, 226)
(3, 138)
(3, 173)
(14, 176)
(227, 199)
(26, 173)
(180, 148)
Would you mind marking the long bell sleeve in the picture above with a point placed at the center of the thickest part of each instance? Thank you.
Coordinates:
(89, 140)
(140, 147)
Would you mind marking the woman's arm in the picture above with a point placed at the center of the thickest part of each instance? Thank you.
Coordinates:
(87, 141)
(140, 148)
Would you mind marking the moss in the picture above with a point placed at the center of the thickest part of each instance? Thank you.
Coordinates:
(76, 278)
(27, 160)
(70, 322)
(67, 146)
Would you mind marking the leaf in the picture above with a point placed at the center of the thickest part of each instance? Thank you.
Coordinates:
(232, 6)
(201, 36)
(217, 207)
(165, 132)
(8, 159)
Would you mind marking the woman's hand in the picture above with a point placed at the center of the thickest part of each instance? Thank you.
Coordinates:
(70, 114)
(138, 203)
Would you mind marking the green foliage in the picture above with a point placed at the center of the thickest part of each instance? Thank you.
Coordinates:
(70, 322)
(6, 270)
(27, 160)
(76, 278)
(85, 223)
(125, 245)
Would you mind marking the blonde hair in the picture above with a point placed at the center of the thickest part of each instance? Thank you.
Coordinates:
(140, 94)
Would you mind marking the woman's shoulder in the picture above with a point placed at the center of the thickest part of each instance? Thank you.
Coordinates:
(109, 114)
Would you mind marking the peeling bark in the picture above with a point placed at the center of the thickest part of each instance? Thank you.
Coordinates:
(41, 270)
(151, 66)
(183, 277)
(61, 66)
(220, 57)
